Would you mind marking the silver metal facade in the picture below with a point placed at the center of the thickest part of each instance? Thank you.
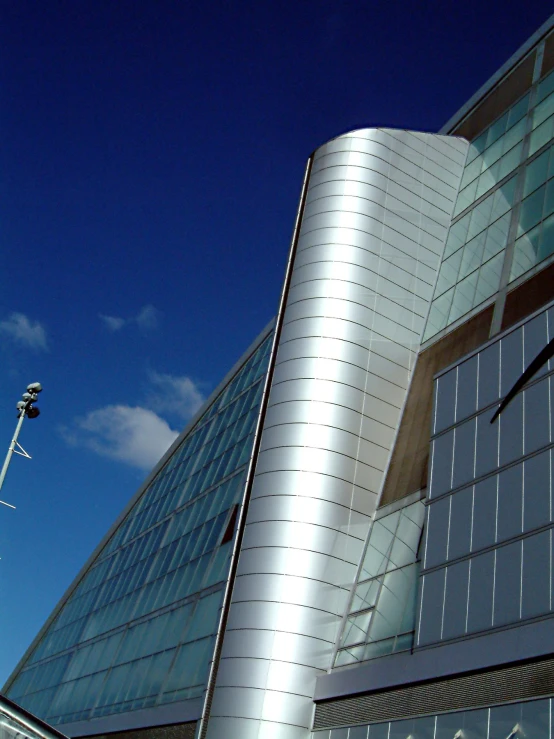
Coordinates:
(377, 210)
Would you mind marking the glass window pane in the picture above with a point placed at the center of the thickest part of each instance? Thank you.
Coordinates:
(355, 630)
(472, 254)
(457, 235)
(486, 452)
(511, 431)
(467, 389)
(489, 278)
(510, 503)
(496, 237)
(497, 129)
(541, 135)
(430, 620)
(480, 216)
(536, 173)
(489, 375)
(448, 272)
(366, 595)
(463, 297)
(536, 500)
(546, 86)
(509, 161)
(481, 578)
(507, 584)
(546, 248)
(531, 210)
(503, 199)
(535, 718)
(484, 514)
(455, 601)
(438, 315)
(525, 253)
(445, 401)
(441, 464)
(459, 537)
(464, 453)
(535, 579)
(513, 135)
(536, 400)
(543, 110)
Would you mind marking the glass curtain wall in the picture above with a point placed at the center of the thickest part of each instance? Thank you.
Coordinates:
(382, 613)
(139, 628)
(491, 196)
(528, 720)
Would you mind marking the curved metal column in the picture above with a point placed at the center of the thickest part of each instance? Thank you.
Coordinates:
(377, 211)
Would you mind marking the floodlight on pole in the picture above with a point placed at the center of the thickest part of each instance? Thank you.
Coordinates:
(25, 407)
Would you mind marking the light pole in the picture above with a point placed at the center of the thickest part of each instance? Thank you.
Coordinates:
(25, 407)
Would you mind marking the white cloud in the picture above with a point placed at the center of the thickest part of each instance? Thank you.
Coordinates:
(24, 331)
(175, 394)
(134, 435)
(137, 435)
(112, 322)
(147, 319)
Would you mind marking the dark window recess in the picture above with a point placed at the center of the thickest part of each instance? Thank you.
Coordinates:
(407, 470)
(548, 58)
(528, 297)
(232, 522)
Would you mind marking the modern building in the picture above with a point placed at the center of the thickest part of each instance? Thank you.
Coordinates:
(345, 542)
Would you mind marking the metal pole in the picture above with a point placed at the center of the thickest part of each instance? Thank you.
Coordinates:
(10, 452)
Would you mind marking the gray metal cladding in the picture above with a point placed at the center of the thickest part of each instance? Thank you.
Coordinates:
(377, 210)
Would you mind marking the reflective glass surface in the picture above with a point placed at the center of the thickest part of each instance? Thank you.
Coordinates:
(473, 258)
(526, 720)
(535, 235)
(472, 262)
(490, 521)
(139, 628)
(382, 613)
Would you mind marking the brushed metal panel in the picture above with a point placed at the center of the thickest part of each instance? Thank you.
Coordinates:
(365, 337)
(285, 617)
(293, 534)
(299, 678)
(324, 347)
(233, 701)
(253, 643)
(311, 460)
(295, 709)
(291, 589)
(317, 412)
(302, 508)
(293, 648)
(291, 561)
(324, 437)
(369, 245)
(230, 726)
(334, 392)
(322, 369)
(243, 672)
(319, 485)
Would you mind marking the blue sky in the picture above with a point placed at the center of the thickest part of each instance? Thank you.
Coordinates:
(151, 160)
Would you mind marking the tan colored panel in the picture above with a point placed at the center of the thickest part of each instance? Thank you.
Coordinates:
(408, 467)
(502, 96)
(529, 297)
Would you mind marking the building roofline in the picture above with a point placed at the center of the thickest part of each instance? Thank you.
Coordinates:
(84, 569)
(517, 57)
